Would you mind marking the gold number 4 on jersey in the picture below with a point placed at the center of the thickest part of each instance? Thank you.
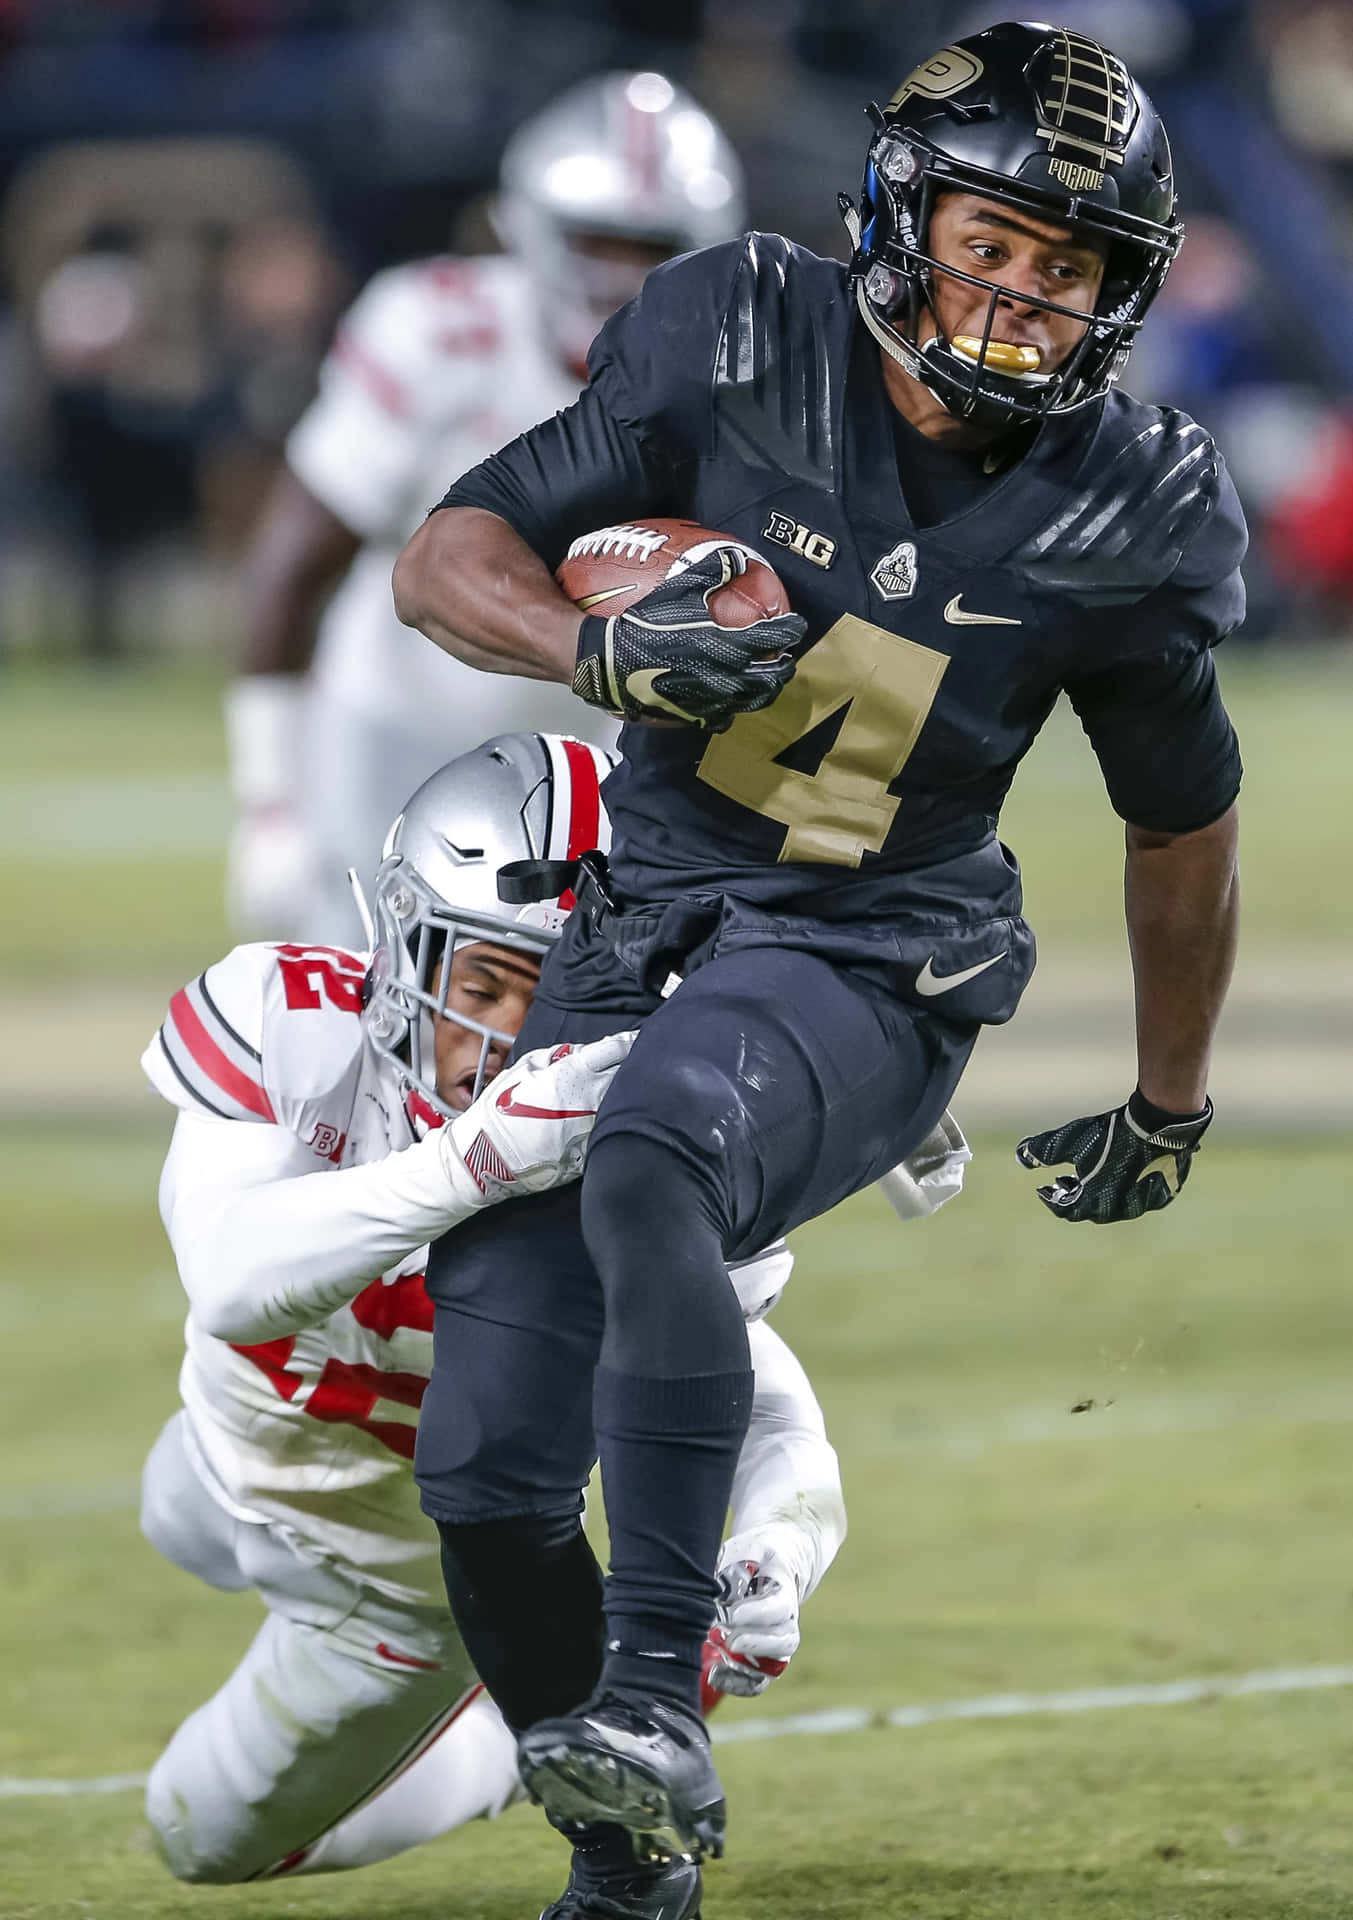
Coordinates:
(844, 810)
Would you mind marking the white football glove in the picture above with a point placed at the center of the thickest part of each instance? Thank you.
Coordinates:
(272, 874)
(272, 864)
(756, 1626)
(932, 1173)
(528, 1130)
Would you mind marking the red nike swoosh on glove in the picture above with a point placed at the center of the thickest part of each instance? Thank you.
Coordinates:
(506, 1104)
(753, 1662)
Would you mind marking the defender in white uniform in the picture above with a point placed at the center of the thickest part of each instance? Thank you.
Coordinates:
(337, 1111)
(437, 363)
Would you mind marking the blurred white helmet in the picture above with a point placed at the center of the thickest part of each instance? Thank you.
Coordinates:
(625, 158)
(519, 797)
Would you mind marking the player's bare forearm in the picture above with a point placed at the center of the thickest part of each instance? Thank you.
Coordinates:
(297, 555)
(1182, 896)
(474, 587)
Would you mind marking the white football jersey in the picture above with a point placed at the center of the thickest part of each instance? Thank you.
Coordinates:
(437, 364)
(316, 1430)
(313, 1431)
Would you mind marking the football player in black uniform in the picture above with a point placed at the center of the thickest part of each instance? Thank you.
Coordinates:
(969, 519)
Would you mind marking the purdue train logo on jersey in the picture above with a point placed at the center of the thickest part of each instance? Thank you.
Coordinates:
(895, 574)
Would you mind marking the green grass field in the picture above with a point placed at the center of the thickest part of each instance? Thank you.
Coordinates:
(1194, 1519)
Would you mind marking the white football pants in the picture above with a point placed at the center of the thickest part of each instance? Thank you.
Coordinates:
(349, 1731)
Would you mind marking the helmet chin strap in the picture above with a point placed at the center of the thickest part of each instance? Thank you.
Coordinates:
(910, 359)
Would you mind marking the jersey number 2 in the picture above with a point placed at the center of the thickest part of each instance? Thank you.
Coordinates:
(844, 810)
(305, 970)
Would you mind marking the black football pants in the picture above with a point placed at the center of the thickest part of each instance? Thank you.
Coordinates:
(768, 1087)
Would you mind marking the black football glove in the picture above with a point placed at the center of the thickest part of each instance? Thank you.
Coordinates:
(1127, 1162)
(668, 657)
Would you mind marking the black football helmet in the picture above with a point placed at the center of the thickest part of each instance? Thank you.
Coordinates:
(1044, 120)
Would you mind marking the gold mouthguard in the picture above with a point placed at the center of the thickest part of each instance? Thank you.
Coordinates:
(1001, 357)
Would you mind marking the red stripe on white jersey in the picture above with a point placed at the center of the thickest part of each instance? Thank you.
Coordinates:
(348, 1392)
(382, 385)
(213, 1063)
(406, 1659)
(270, 1357)
(382, 1309)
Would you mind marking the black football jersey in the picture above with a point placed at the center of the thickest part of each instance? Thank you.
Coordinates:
(741, 391)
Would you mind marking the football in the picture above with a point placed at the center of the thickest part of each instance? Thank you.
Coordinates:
(606, 571)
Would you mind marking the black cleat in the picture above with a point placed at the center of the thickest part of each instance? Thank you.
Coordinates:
(670, 1892)
(640, 1762)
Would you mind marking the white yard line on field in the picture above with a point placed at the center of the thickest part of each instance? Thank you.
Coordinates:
(1009, 1706)
(62, 1789)
(996, 1706)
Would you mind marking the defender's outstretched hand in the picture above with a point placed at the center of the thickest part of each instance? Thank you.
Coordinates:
(528, 1130)
(1124, 1163)
(668, 657)
(756, 1630)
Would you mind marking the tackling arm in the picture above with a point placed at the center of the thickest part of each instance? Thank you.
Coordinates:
(787, 1488)
(264, 1249)
(788, 1522)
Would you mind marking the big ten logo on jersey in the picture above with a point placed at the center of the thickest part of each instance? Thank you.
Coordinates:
(313, 974)
(815, 547)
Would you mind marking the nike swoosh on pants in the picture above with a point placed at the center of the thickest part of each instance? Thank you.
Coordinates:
(930, 983)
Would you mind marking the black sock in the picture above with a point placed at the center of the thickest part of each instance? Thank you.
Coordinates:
(526, 1595)
(668, 1451)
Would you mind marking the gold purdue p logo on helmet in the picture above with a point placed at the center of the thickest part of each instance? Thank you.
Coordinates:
(945, 72)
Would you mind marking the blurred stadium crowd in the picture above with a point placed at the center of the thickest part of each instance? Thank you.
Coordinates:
(192, 190)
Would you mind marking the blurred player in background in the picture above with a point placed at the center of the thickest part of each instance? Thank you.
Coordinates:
(336, 1112)
(340, 710)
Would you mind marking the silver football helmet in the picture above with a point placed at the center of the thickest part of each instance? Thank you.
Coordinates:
(623, 157)
(520, 796)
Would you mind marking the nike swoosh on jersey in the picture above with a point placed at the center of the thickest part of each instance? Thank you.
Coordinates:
(957, 616)
(929, 982)
(607, 593)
